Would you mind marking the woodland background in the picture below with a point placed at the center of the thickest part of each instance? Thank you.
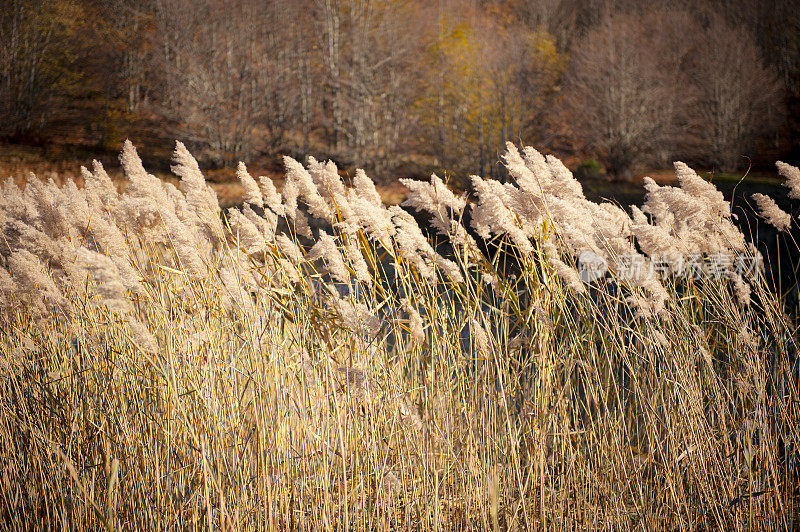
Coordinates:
(404, 87)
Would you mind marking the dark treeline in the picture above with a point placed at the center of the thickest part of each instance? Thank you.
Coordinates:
(409, 85)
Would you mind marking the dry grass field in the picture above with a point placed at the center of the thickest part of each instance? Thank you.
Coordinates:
(314, 360)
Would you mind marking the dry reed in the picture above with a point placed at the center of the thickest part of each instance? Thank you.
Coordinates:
(168, 366)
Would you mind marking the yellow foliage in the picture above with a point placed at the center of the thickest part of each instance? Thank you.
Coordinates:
(483, 91)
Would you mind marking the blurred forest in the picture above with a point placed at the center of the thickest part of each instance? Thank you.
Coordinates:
(404, 87)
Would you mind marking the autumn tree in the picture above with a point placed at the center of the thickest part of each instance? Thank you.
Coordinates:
(36, 59)
(488, 80)
(126, 28)
(406, 84)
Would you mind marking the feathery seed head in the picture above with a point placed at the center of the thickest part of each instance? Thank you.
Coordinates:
(773, 214)
(252, 194)
(792, 175)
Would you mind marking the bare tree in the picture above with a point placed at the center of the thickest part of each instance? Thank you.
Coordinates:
(739, 98)
(371, 50)
(774, 25)
(620, 92)
(230, 80)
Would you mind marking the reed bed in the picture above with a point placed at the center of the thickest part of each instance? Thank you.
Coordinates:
(317, 360)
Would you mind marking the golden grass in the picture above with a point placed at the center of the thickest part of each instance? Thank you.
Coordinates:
(19, 162)
(571, 413)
